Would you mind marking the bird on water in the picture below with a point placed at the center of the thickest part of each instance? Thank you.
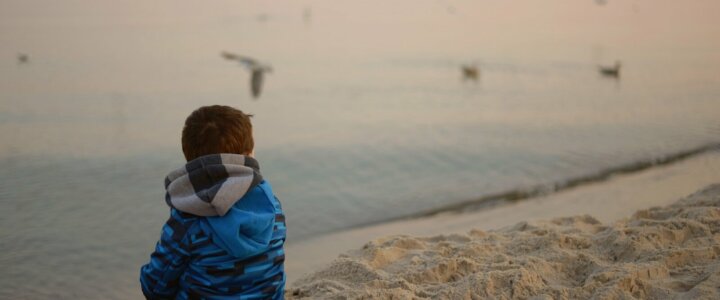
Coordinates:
(257, 70)
(610, 71)
(470, 72)
(23, 58)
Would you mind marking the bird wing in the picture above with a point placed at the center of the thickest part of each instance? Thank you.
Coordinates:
(246, 61)
(256, 81)
(229, 56)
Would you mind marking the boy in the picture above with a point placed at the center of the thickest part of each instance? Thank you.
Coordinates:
(225, 235)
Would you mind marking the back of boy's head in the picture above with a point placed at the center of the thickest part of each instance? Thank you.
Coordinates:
(217, 129)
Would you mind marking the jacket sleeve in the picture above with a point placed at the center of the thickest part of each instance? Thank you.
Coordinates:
(159, 278)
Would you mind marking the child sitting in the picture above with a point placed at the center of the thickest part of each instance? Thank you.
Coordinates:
(225, 235)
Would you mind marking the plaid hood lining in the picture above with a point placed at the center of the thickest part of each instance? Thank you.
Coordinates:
(210, 185)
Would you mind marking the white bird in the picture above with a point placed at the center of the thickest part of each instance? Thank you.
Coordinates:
(610, 71)
(257, 70)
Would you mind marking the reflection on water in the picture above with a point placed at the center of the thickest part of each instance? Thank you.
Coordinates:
(366, 118)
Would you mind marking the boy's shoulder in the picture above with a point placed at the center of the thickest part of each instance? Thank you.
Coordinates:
(180, 223)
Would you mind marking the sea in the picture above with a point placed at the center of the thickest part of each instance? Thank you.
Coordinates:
(364, 118)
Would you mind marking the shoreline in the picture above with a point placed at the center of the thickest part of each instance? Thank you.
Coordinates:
(540, 190)
(621, 192)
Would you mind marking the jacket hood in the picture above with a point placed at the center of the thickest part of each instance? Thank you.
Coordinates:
(247, 228)
(210, 185)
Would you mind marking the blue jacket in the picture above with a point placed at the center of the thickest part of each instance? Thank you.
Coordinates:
(225, 235)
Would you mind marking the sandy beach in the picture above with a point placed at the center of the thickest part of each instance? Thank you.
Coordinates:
(577, 243)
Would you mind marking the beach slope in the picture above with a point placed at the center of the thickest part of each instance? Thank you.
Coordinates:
(662, 252)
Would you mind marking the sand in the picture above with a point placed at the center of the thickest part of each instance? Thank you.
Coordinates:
(661, 252)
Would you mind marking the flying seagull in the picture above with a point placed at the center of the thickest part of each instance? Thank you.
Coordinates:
(256, 69)
(610, 71)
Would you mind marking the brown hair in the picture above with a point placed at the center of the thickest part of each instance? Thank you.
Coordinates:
(217, 129)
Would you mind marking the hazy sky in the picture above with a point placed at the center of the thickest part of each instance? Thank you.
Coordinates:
(372, 25)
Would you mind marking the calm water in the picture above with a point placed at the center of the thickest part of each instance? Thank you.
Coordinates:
(364, 119)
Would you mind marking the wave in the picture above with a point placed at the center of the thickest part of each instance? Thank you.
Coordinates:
(525, 193)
